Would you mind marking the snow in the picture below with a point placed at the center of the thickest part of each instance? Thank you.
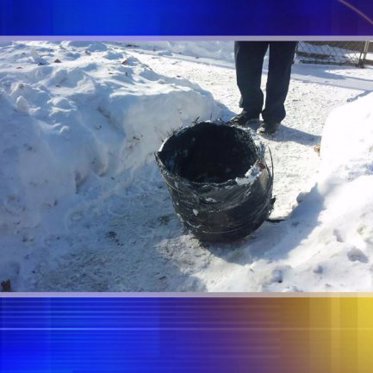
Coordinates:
(250, 176)
(83, 206)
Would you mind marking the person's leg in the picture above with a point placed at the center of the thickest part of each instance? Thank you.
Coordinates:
(249, 63)
(281, 57)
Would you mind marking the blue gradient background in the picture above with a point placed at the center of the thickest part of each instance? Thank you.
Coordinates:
(183, 17)
(136, 335)
(283, 334)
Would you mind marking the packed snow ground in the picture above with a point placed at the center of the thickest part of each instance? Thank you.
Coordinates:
(82, 203)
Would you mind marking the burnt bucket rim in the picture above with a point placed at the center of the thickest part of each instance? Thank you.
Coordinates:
(229, 182)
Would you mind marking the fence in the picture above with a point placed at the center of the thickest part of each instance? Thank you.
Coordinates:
(336, 52)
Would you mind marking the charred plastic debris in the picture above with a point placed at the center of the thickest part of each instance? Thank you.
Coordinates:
(218, 179)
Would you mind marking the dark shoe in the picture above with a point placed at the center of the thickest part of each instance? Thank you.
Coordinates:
(244, 120)
(268, 129)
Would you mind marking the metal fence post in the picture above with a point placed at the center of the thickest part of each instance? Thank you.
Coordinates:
(363, 54)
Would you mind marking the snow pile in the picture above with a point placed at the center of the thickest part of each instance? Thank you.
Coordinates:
(217, 50)
(346, 182)
(347, 146)
(75, 117)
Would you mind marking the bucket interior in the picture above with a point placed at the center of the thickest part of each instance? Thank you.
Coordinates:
(209, 153)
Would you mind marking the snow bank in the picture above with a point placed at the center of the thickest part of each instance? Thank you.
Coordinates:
(217, 50)
(347, 145)
(337, 254)
(74, 116)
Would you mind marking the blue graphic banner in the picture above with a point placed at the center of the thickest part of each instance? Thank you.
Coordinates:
(133, 335)
(250, 334)
(186, 17)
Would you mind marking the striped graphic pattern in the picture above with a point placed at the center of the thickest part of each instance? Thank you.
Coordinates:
(165, 334)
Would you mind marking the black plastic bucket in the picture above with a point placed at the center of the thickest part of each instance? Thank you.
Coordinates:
(220, 184)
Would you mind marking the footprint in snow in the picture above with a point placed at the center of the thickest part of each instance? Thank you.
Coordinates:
(357, 255)
(318, 269)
